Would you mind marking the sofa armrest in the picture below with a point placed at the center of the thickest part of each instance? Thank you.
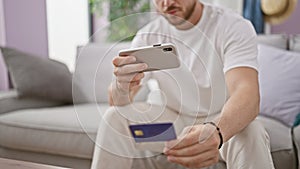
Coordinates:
(8, 94)
(9, 101)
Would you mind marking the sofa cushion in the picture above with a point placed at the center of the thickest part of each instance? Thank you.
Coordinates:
(281, 143)
(275, 40)
(279, 79)
(68, 130)
(13, 104)
(295, 43)
(9, 101)
(39, 77)
(277, 130)
(94, 72)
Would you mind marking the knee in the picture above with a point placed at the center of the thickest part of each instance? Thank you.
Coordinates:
(253, 134)
(117, 113)
(111, 113)
(112, 121)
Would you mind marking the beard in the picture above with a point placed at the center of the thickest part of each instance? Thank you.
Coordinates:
(179, 20)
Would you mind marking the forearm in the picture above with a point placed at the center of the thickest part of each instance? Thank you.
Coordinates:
(240, 109)
(118, 98)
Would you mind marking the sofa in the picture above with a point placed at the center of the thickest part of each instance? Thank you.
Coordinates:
(64, 134)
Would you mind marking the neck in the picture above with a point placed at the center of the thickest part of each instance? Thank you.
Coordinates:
(193, 19)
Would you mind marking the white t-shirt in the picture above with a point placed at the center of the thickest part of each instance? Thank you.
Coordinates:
(220, 41)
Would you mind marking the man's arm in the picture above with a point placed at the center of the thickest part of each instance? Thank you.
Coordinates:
(240, 109)
(243, 104)
(128, 77)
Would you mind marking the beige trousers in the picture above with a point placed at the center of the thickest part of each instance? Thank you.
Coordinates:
(116, 149)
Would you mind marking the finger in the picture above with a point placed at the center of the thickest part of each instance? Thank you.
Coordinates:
(130, 68)
(120, 61)
(186, 130)
(206, 158)
(130, 77)
(207, 133)
(126, 87)
(134, 84)
(186, 140)
(135, 89)
(188, 151)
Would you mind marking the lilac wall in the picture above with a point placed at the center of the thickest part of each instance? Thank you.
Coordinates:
(291, 25)
(2, 26)
(26, 25)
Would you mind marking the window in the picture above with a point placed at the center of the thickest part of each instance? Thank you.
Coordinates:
(117, 23)
(68, 27)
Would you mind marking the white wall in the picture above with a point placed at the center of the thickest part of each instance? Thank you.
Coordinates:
(3, 69)
(68, 27)
(2, 26)
(236, 5)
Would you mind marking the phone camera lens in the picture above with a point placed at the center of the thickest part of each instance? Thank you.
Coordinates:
(167, 49)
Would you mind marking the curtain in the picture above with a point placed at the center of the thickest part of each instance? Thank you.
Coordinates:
(252, 11)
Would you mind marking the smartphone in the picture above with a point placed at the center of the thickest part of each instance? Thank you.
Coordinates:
(157, 57)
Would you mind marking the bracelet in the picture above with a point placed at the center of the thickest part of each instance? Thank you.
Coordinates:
(219, 132)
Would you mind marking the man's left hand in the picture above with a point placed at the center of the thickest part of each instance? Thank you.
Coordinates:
(196, 147)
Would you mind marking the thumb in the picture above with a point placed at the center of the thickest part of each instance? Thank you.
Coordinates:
(185, 131)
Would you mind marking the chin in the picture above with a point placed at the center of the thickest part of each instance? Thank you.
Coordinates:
(175, 20)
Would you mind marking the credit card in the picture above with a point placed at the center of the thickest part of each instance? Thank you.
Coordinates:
(153, 132)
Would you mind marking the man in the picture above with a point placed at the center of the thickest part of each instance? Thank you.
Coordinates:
(217, 83)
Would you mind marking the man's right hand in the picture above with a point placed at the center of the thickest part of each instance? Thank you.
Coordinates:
(128, 78)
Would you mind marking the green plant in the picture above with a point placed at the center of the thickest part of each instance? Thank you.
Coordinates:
(120, 28)
(96, 6)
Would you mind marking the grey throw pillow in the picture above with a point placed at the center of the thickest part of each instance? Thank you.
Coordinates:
(38, 77)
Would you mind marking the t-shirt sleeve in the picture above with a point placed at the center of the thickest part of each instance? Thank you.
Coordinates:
(139, 40)
(240, 46)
